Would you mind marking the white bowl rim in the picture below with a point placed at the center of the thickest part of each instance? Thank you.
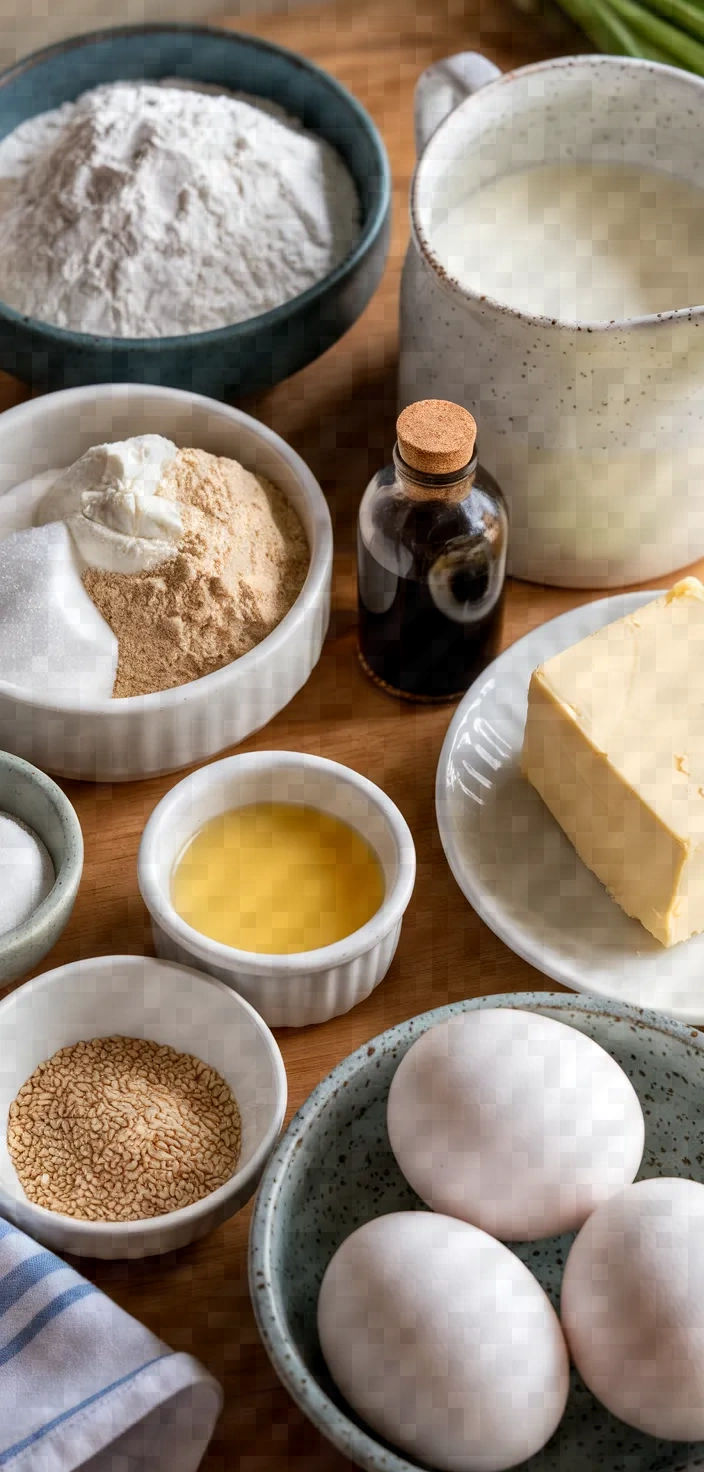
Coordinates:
(390, 911)
(154, 1224)
(320, 552)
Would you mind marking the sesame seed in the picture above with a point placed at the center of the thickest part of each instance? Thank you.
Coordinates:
(120, 1129)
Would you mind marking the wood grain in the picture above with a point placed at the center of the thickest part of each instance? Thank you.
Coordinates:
(339, 414)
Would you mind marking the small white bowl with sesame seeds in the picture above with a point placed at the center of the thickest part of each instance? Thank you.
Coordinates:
(138, 997)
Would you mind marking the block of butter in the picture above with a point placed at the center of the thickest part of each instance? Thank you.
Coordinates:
(614, 744)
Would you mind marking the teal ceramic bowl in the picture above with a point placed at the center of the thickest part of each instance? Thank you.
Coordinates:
(333, 1170)
(32, 797)
(250, 355)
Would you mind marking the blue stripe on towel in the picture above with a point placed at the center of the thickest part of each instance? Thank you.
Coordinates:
(24, 1275)
(20, 1446)
(45, 1315)
(5, 1229)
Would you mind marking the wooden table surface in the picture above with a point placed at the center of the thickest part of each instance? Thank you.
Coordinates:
(339, 414)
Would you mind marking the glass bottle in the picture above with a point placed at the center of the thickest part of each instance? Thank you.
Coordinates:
(431, 559)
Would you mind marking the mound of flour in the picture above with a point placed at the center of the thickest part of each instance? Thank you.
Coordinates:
(146, 210)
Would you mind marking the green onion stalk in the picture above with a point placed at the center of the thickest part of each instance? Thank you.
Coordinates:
(671, 31)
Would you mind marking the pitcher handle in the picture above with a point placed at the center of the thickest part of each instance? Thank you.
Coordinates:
(443, 86)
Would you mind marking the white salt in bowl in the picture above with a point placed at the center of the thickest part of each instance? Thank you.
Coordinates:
(32, 797)
(309, 986)
(135, 996)
(145, 735)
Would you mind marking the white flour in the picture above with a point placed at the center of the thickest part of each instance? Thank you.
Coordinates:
(145, 210)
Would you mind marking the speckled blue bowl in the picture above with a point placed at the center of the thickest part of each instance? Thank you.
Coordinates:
(28, 794)
(261, 351)
(334, 1170)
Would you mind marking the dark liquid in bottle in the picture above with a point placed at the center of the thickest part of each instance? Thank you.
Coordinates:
(428, 629)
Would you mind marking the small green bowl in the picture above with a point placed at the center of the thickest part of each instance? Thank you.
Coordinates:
(334, 1169)
(249, 355)
(28, 794)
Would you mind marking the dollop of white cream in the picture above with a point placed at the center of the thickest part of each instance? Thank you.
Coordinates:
(109, 503)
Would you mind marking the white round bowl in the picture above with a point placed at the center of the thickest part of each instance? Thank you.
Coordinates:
(144, 735)
(311, 986)
(135, 996)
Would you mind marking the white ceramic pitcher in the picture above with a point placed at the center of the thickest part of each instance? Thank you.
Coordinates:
(594, 432)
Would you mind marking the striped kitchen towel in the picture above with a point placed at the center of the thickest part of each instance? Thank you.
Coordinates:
(82, 1384)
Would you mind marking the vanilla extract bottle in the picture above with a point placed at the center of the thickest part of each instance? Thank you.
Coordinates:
(431, 559)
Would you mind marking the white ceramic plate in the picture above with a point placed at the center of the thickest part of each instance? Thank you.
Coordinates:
(512, 860)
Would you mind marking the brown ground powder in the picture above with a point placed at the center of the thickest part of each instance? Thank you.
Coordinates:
(240, 566)
(120, 1129)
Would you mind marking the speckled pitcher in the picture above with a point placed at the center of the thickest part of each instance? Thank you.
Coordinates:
(595, 432)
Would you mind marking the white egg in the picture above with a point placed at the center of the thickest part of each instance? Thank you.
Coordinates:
(444, 1342)
(514, 1122)
(633, 1307)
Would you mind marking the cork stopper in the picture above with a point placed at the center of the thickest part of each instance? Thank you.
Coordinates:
(436, 436)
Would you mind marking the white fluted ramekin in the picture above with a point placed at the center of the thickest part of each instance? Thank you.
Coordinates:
(312, 986)
(145, 735)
